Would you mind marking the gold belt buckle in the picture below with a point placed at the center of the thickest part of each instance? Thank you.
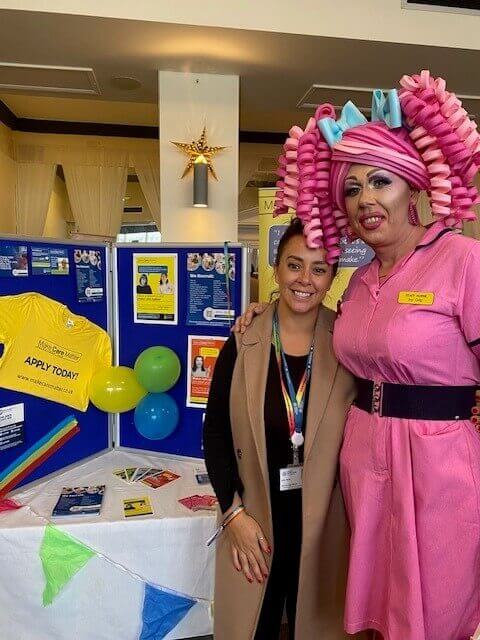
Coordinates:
(377, 393)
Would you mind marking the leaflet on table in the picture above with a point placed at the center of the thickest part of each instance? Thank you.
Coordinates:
(210, 289)
(133, 507)
(149, 476)
(201, 475)
(50, 261)
(155, 288)
(88, 274)
(13, 260)
(79, 501)
(12, 426)
(200, 503)
(203, 352)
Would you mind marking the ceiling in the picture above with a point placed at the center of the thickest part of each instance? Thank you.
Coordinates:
(275, 69)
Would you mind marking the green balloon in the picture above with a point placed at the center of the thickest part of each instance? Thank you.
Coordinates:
(157, 369)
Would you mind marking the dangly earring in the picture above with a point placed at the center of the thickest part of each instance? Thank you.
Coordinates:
(413, 214)
(349, 234)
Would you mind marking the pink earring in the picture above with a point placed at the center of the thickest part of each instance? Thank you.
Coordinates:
(413, 214)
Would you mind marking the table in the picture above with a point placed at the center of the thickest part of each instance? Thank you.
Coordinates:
(102, 601)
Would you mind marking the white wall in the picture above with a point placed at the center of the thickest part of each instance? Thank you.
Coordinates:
(382, 20)
(187, 102)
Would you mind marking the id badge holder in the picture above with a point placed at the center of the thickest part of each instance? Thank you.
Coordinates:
(291, 476)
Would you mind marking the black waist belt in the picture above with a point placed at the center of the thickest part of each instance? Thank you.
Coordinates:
(415, 402)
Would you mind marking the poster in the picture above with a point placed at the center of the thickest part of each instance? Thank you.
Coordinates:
(50, 261)
(275, 234)
(270, 231)
(13, 260)
(88, 273)
(210, 289)
(11, 426)
(354, 254)
(155, 288)
(203, 352)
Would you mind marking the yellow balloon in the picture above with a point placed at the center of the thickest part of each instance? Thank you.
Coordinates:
(116, 389)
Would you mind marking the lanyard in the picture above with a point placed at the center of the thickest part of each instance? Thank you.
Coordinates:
(294, 402)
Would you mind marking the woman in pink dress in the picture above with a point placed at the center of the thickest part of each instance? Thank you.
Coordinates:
(409, 329)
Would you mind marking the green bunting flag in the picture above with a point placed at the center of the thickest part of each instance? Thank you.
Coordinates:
(62, 556)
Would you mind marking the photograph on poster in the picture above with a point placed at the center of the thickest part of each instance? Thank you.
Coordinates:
(210, 289)
(13, 260)
(155, 292)
(203, 352)
(50, 261)
(12, 426)
(88, 274)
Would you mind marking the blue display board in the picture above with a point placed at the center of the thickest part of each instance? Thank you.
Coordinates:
(76, 275)
(200, 279)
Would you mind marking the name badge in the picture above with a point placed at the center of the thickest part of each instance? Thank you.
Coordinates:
(425, 298)
(290, 478)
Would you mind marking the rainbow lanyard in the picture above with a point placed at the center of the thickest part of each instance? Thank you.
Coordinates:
(294, 402)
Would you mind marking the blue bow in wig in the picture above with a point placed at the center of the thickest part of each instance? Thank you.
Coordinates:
(384, 109)
(333, 130)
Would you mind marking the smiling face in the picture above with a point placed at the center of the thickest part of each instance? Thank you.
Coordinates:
(303, 276)
(377, 203)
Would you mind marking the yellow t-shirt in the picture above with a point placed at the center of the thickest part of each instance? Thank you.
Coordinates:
(48, 351)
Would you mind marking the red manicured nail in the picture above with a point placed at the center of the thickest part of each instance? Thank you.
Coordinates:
(474, 419)
(269, 550)
(475, 410)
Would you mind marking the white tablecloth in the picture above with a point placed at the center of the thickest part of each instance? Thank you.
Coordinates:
(102, 601)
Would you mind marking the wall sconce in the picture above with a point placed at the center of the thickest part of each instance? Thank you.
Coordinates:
(200, 156)
(200, 182)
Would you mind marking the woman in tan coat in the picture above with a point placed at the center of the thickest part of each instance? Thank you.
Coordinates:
(272, 459)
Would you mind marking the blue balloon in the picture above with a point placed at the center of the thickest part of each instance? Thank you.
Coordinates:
(156, 416)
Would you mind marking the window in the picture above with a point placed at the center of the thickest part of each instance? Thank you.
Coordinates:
(139, 233)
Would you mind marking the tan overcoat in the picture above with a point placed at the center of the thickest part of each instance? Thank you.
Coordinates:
(321, 587)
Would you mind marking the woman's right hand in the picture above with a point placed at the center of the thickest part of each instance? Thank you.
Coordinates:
(245, 320)
(248, 546)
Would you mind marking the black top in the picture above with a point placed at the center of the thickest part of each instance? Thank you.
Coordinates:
(144, 288)
(220, 456)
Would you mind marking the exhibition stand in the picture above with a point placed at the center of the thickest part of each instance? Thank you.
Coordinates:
(140, 568)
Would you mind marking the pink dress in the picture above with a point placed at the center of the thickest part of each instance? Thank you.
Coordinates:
(412, 487)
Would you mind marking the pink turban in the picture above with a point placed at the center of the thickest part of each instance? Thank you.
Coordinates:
(376, 145)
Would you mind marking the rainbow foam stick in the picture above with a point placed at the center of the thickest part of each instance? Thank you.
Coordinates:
(37, 454)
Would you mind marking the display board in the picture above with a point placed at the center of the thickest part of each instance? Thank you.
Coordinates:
(183, 297)
(72, 274)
